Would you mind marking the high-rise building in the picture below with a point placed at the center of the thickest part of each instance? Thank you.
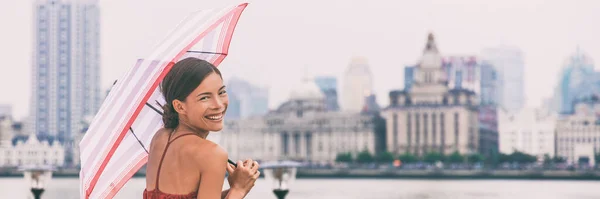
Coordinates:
(66, 67)
(252, 100)
(509, 64)
(577, 79)
(5, 110)
(358, 84)
(529, 131)
(328, 86)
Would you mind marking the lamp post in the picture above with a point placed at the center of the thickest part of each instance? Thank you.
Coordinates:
(280, 174)
(37, 177)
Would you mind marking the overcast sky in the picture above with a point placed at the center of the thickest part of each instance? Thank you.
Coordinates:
(284, 38)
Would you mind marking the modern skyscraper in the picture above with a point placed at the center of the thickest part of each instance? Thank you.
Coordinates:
(66, 67)
(577, 79)
(509, 64)
(251, 100)
(358, 84)
(328, 86)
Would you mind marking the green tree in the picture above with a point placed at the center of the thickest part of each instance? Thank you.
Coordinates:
(504, 158)
(547, 159)
(456, 157)
(557, 159)
(364, 157)
(475, 158)
(408, 158)
(433, 157)
(521, 157)
(385, 157)
(343, 158)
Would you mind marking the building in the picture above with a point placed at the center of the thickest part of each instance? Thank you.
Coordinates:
(473, 74)
(530, 131)
(328, 86)
(577, 79)
(300, 129)
(409, 77)
(32, 152)
(66, 67)
(5, 111)
(357, 84)
(431, 117)
(253, 100)
(579, 130)
(6, 131)
(509, 64)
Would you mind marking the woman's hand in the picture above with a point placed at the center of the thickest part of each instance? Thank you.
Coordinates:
(242, 177)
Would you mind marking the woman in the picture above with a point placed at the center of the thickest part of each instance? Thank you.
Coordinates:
(182, 163)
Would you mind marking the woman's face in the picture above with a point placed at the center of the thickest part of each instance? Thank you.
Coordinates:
(205, 107)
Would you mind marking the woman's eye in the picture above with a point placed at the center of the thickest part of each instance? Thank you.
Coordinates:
(203, 98)
(222, 92)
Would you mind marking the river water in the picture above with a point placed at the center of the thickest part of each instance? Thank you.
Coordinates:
(67, 188)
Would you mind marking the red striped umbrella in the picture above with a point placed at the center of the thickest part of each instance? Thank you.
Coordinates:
(114, 147)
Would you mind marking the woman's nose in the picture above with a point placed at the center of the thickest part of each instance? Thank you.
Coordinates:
(218, 103)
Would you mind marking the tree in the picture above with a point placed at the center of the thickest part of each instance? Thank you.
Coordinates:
(521, 157)
(385, 157)
(547, 159)
(364, 157)
(433, 157)
(557, 159)
(456, 157)
(343, 158)
(475, 158)
(407, 158)
(504, 158)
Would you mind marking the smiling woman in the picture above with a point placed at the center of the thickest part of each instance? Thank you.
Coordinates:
(195, 167)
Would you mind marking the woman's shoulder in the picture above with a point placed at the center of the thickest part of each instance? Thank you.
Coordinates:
(203, 151)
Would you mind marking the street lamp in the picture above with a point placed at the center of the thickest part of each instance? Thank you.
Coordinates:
(37, 177)
(280, 174)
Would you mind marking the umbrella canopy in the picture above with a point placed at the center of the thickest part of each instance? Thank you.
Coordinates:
(116, 142)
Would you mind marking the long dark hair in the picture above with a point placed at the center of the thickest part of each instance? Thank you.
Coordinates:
(184, 77)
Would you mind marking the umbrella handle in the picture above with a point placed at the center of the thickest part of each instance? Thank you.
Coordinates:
(231, 162)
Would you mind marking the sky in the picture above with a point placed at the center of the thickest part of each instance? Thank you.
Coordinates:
(276, 41)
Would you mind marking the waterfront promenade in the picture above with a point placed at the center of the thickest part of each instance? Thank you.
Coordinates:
(393, 173)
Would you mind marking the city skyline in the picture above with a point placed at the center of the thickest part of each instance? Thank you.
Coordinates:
(388, 33)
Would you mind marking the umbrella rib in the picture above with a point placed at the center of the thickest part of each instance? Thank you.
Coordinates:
(130, 129)
(205, 52)
(154, 108)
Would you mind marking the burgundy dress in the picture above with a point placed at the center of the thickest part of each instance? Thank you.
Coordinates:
(156, 193)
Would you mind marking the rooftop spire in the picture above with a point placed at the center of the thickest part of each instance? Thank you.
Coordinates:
(431, 46)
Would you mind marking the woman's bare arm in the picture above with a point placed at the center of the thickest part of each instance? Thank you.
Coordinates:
(212, 175)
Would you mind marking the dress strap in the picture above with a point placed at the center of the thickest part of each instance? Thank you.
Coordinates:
(169, 141)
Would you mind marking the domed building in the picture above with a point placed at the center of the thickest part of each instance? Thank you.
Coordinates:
(431, 117)
(300, 129)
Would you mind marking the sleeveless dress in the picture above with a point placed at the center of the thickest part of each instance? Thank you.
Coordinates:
(156, 193)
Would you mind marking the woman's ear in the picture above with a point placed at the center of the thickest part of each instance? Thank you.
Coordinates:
(179, 106)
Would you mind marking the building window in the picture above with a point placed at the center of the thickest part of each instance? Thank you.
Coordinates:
(394, 132)
(425, 136)
(297, 143)
(308, 137)
(433, 129)
(443, 132)
(456, 127)
(408, 130)
(417, 131)
(285, 142)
